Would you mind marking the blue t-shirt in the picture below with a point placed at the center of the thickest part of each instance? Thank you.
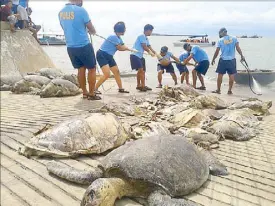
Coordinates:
(142, 39)
(73, 20)
(167, 56)
(23, 3)
(199, 54)
(183, 56)
(109, 45)
(227, 44)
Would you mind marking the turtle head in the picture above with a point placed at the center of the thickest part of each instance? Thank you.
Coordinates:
(90, 197)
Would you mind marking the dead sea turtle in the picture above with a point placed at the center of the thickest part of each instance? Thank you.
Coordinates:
(95, 133)
(59, 88)
(41, 80)
(72, 78)
(208, 102)
(213, 114)
(230, 129)
(24, 86)
(7, 82)
(51, 73)
(259, 107)
(156, 167)
(183, 93)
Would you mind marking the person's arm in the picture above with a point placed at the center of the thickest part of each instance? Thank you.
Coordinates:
(87, 22)
(188, 59)
(176, 59)
(215, 55)
(149, 46)
(239, 51)
(91, 28)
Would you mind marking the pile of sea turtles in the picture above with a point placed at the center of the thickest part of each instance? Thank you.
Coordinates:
(158, 148)
(48, 82)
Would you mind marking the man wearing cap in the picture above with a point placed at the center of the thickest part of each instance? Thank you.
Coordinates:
(136, 58)
(227, 61)
(105, 56)
(202, 61)
(74, 20)
(165, 64)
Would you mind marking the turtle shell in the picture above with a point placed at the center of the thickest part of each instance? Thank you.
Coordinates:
(168, 162)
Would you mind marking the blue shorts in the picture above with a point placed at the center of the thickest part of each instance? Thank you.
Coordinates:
(137, 63)
(182, 68)
(202, 67)
(169, 68)
(82, 56)
(14, 8)
(103, 58)
(228, 66)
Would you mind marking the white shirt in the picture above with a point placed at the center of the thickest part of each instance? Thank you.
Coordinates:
(16, 2)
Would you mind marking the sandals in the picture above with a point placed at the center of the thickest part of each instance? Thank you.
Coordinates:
(143, 89)
(201, 88)
(148, 88)
(123, 91)
(216, 92)
(229, 92)
(85, 96)
(159, 86)
(97, 92)
(94, 97)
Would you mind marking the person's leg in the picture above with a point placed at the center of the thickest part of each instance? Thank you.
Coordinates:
(232, 70)
(174, 77)
(182, 77)
(139, 78)
(201, 79)
(116, 73)
(142, 77)
(106, 74)
(219, 82)
(187, 78)
(160, 72)
(92, 81)
(82, 80)
(231, 82)
(194, 75)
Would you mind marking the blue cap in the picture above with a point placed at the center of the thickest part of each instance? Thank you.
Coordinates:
(164, 49)
(119, 27)
(148, 27)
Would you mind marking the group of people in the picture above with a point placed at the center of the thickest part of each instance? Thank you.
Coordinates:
(74, 20)
(17, 13)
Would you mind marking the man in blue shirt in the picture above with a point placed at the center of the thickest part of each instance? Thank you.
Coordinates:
(136, 58)
(105, 56)
(165, 64)
(227, 62)
(184, 72)
(74, 20)
(202, 61)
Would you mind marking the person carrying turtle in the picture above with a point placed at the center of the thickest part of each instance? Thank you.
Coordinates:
(202, 63)
(136, 58)
(105, 56)
(184, 72)
(74, 20)
(165, 64)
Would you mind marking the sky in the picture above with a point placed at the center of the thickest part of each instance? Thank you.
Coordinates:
(170, 17)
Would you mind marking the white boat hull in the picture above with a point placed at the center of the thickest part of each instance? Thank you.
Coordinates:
(180, 44)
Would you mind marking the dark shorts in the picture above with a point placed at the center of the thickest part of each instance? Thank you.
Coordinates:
(228, 66)
(14, 8)
(202, 67)
(137, 63)
(169, 68)
(182, 68)
(103, 58)
(20, 24)
(82, 56)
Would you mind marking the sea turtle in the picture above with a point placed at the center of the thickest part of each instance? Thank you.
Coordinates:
(156, 168)
(213, 114)
(94, 133)
(180, 93)
(59, 88)
(209, 101)
(7, 82)
(259, 107)
(41, 80)
(72, 78)
(24, 86)
(51, 73)
(230, 129)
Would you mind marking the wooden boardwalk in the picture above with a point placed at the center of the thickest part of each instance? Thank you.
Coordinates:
(26, 181)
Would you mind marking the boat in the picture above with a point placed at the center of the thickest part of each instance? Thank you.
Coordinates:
(51, 39)
(263, 77)
(200, 40)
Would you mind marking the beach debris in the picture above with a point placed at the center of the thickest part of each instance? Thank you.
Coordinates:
(59, 88)
(127, 171)
(208, 101)
(93, 134)
(258, 106)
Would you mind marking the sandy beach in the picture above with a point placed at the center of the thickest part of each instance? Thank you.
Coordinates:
(26, 181)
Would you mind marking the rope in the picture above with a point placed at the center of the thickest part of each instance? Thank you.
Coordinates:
(244, 63)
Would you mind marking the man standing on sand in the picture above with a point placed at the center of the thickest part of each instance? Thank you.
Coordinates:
(74, 20)
(202, 61)
(227, 61)
(137, 61)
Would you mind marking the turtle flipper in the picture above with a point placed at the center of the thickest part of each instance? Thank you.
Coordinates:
(74, 175)
(158, 199)
(105, 191)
